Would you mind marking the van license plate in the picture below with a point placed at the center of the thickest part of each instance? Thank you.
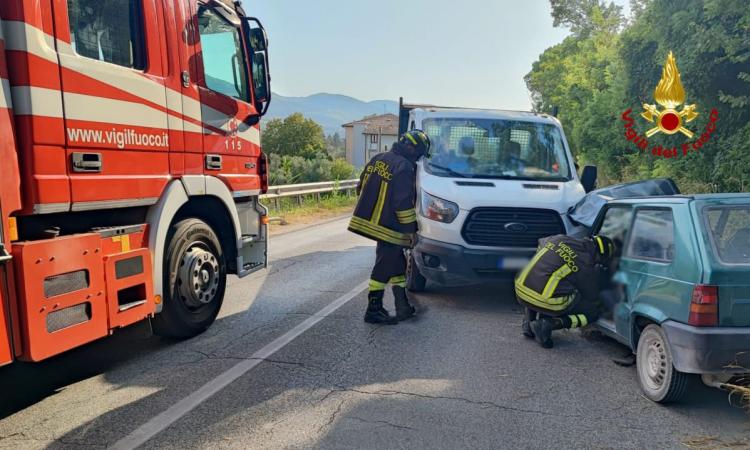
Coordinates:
(512, 263)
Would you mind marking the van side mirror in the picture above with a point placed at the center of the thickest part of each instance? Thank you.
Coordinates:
(588, 178)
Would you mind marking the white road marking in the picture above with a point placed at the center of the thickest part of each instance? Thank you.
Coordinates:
(187, 404)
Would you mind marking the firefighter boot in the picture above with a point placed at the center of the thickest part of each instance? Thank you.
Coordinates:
(375, 311)
(404, 310)
(543, 328)
(528, 317)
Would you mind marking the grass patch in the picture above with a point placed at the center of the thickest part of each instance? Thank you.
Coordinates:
(311, 209)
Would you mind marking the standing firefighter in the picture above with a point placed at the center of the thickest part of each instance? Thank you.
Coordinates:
(561, 284)
(385, 212)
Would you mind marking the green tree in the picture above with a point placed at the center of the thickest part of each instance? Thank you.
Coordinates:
(294, 136)
(609, 64)
(586, 16)
(335, 146)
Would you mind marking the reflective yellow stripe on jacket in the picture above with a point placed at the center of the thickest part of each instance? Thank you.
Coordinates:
(381, 202)
(544, 299)
(379, 232)
(406, 217)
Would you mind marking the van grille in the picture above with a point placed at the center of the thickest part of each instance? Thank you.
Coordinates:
(487, 226)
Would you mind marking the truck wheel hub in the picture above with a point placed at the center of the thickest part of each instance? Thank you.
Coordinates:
(198, 277)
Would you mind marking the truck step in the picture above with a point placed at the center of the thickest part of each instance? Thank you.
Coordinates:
(249, 239)
(132, 305)
(106, 232)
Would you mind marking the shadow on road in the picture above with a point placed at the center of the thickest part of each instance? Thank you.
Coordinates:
(25, 384)
(368, 382)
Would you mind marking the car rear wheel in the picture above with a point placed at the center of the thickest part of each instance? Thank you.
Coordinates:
(415, 281)
(659, 379)
(195, 277)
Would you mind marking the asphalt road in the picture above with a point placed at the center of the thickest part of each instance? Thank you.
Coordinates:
(460, 376)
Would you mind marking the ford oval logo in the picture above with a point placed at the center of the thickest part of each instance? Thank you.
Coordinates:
(515, 227)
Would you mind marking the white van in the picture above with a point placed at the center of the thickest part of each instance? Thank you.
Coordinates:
(495, 183)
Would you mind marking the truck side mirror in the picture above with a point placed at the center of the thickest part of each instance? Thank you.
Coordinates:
(588, 178)
(257, 45)
(258, 39)
(261, 79)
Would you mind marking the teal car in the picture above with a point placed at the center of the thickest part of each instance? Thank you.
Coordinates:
(680, 293)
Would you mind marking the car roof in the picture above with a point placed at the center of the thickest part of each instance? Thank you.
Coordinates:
(722, 196)
(673, 199)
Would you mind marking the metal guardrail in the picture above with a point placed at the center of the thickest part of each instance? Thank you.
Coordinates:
(299, 190)
(275, 193)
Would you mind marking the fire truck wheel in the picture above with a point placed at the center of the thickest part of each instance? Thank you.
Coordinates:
(195, 276)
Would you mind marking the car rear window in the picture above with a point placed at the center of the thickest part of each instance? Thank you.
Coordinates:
(729, 228)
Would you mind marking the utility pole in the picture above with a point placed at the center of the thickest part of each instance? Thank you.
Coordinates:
(380, 139)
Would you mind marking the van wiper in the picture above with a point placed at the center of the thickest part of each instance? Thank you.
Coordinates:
(513, 177)
(448, 170)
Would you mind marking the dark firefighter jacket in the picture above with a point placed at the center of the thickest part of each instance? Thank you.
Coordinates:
(561, 267)
(387, 194)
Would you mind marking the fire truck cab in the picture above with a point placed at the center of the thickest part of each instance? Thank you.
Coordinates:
(131, 166)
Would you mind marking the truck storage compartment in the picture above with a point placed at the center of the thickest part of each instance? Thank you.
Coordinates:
(128, 274)
(130, 295)
(61, 294)
(74, 289)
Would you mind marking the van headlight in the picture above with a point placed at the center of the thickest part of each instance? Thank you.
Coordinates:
(438, 209)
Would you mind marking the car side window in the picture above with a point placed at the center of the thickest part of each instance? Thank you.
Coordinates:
(729, 228)
(109, 31)
(652, 236)
(223, 55)
(615, 224)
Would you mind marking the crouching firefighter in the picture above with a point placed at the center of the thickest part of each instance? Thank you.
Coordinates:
(560, 286)
(385, 213)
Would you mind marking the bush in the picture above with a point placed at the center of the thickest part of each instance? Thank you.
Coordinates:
(296, 169)
(342, 170)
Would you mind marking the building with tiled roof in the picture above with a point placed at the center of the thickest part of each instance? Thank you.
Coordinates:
(369, 136)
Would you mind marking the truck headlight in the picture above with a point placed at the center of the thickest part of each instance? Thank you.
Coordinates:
(438, 209)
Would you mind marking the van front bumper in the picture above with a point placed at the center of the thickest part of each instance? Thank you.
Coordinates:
(710, 350)
(456, 265)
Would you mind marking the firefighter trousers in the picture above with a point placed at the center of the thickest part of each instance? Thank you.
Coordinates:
(390, 267)
(580, 314)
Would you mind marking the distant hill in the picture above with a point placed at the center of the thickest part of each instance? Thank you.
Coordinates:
(329, 110)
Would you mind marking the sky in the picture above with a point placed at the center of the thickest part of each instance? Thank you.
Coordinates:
(471, 53)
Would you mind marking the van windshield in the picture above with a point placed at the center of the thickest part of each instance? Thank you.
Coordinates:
(491, 148)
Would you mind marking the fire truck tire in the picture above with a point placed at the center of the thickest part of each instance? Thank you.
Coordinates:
(195, 277)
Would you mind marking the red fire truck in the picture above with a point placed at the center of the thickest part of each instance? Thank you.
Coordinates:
(131, 166)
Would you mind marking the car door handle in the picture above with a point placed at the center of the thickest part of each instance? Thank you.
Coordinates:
(213, 162)
(87, 162)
